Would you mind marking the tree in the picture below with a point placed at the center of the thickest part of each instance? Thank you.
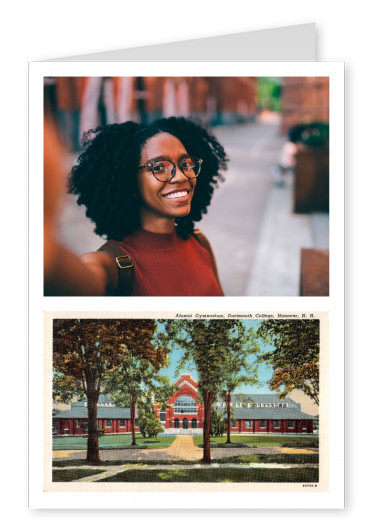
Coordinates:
(134, 383)
(295, 355)
(238, 368)
(84, 350)
(206, 343)
(149, 425)
(217, 425)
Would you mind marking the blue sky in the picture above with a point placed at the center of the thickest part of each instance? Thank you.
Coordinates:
(265, 372)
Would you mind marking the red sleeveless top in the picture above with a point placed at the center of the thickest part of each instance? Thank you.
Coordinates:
(166, 265)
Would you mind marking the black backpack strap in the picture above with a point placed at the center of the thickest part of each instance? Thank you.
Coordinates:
(204, 242)
(124, 266)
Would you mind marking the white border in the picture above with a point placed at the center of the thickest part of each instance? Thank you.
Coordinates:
(334, 304)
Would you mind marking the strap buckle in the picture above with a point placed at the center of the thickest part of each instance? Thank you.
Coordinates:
(126, 256)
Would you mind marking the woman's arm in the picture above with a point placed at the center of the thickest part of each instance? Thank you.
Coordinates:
(69, 274)
(64, 272)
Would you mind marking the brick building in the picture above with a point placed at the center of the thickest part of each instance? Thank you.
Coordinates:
(256, 413)
(304, 100)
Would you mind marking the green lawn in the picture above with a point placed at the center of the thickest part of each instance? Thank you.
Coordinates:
(73, 474)
(261, 440)
(110, 442)
(297, 459)
(218, 475)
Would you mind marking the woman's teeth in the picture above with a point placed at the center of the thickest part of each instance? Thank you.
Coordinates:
(177, 194)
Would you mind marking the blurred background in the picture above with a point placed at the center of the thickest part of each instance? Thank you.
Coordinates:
(268, 223)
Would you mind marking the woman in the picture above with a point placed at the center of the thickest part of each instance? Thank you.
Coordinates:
(144, 187)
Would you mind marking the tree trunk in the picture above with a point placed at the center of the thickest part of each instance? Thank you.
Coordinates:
(228, 413)
(208, 399)
(92, 455)
(133, 419)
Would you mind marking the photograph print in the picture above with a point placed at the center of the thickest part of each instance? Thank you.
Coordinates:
(186, 186)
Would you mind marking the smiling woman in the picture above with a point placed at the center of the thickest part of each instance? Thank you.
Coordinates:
(144, 187)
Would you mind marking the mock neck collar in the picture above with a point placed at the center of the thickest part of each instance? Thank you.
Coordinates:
(153, 241)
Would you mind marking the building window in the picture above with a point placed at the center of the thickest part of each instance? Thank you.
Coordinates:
(122, 423)
(248, 424)
(234, 424)
(78, 424)
(185, 404)
(162, 415)
(108, 423)
(176, 423)
(262, 424)
(276, 423)
(291, 424)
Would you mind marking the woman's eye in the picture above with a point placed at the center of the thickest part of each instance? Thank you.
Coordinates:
(188, 164)
(159, 167)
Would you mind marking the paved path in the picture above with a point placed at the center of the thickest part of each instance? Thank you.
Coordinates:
(182, 448)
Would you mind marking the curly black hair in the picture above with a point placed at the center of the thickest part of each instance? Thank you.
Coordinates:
(105, 176)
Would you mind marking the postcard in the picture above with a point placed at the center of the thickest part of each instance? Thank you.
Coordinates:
(209, 400)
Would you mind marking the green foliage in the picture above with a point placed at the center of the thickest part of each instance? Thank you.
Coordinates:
(294, 356)
(148, 423)
(316, 134)
(86, 350)
(269, 92)
(217, 425)
(153, 427)
(218, 475)
(73, 474)
(212, 345)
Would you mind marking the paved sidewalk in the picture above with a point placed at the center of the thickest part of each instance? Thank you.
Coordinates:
(276, 266)
(182, 449)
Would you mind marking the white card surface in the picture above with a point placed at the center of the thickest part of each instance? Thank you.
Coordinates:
(263, 54)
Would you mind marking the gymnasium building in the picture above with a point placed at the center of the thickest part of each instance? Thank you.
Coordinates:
(255, 413)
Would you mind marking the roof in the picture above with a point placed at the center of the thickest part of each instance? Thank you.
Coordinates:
(80, 412)
(263, 398)
(261, 413)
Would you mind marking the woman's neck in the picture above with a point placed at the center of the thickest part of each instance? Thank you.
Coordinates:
(162, 225)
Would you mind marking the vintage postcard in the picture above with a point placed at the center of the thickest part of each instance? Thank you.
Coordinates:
(209, 402)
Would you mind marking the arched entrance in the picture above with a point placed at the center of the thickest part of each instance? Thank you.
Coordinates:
(194, 423)
(185, 424)
(176, 423)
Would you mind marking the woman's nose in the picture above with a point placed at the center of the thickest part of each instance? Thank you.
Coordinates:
(178, 176)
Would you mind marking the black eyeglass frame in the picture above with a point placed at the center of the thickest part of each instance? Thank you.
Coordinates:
(150, 165)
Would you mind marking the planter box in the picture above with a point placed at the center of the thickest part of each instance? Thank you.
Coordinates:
(314, 273)
(311, 186)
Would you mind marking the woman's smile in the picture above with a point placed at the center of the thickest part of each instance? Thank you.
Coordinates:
(179, 195)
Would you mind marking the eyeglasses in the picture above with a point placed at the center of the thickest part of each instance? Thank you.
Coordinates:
(165, 170)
